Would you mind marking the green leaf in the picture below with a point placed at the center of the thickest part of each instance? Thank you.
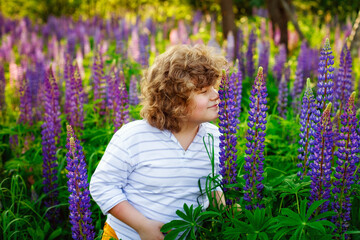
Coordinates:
(291, 214)
(252, 236)
(282, 232)
(315, 205)
(317, 225)
(55, 234)
(286, 221)
(173, 224)
(323, 215)
(174, 233)
(183, 215)
(263, 236)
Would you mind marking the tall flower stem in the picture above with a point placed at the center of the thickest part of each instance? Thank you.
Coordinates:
(255, 146)
(228, 126)
(79, 199)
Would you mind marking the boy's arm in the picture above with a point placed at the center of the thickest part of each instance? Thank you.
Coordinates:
(146, 228)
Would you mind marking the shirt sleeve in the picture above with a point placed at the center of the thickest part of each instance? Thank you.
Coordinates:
(110, 176)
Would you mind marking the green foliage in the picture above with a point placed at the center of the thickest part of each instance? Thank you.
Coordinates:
(306, 224)
(257, 225)
(191, 224)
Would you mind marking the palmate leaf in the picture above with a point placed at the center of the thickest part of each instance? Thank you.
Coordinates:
(188, 225)
(313, 208)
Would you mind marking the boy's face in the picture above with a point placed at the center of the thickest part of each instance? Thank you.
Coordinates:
(204, 106)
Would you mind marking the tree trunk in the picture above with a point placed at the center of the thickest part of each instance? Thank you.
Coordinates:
(228, 17)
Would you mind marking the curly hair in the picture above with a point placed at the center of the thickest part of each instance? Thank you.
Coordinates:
(168, 85)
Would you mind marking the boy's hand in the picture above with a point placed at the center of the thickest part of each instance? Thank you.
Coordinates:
(150, 230)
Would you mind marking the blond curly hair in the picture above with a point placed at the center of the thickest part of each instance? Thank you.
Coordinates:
(168, 85)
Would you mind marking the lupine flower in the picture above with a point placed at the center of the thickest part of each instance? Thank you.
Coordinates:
(264, 53)
(144, 50)
(343, 82)
(254, 166)
(325, 71)
(237, 89)
(283, 97)
(320, 160)
(238, 51)
(99, 83)
(250, 68)
(133, 91)
(118, 100)
(2, 88)
(196, 22)
(26, 109)
(280, 60)
(228, 126)
(79, 199)
(300, 77)
(308, 119)
(347, 153)
(77, 100)
(230, 48)
(135, 44)
(49, 136)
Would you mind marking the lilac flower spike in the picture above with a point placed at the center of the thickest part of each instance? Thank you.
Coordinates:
(307, 117)
(50, 133)
(344, 82)
(228, 127)
(325, 83)
(347, 153)
(255, 146)
(79, 199)
(283, 97)
(250, 69)
(321, 156)
(2, 89)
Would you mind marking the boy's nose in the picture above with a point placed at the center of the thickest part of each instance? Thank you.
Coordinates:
(215, 94)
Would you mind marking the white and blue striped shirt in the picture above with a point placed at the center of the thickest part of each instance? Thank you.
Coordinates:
(150, 169)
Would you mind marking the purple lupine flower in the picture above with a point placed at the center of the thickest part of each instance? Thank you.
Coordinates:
(325, 71)
(133, 91)
(239, 52)
(26, 109)
(264, 54)
(228, 126)
(250, 68)
(300, 77)
(78, 186)
(49, 138)
(119, 100)
(283, 97)
(343, 82)
(238, 90)
(230, 48)
(77, 100)
(320, 157)
(2, 89)
(308, 118)
(254, 166)
(347, 153)
(144, 50)
(68, 72)
(99, 83)
(196, 22)
(280, 60)
(135, 44)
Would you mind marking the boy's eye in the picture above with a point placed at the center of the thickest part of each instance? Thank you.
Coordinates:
(203, 90)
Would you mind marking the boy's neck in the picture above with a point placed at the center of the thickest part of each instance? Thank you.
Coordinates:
(186, 135)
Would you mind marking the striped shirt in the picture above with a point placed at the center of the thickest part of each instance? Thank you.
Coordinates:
(149, 168)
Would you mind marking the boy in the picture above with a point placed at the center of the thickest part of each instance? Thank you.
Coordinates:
(151, 167)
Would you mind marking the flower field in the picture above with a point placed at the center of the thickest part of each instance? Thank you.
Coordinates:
(289, 118)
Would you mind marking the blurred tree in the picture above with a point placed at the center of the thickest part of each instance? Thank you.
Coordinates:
(228, 18)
